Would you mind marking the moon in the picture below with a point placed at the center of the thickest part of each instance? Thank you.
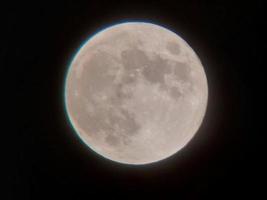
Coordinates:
(136, 93)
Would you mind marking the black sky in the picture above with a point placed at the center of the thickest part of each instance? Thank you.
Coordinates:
(46, 160)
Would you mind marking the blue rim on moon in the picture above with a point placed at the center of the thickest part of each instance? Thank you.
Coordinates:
(136, 93)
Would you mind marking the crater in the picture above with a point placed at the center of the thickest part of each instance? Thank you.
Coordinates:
(114, 120)
(120, 93)
(155, 70)
(96, 75)
(173, 48)
(112, 140)
(125, 122)
(133, 59)
(175, 93)
(181, 71)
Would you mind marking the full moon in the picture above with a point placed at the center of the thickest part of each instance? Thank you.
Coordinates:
(136, 93)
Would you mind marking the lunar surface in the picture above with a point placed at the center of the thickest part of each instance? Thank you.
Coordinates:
(136, 93)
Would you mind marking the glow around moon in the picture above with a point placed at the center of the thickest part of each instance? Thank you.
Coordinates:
(136, 93)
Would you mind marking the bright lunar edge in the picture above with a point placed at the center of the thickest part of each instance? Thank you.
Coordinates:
(136, 93)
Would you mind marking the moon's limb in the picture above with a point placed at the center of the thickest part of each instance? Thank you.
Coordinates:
(136, 93)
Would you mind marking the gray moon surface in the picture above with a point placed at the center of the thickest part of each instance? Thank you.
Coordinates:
(136, 93)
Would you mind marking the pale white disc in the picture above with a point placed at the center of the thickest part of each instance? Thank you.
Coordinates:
(136, 93)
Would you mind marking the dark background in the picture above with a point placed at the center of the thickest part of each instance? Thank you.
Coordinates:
(44, 157)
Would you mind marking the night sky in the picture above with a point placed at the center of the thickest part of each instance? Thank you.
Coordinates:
(45, 158)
